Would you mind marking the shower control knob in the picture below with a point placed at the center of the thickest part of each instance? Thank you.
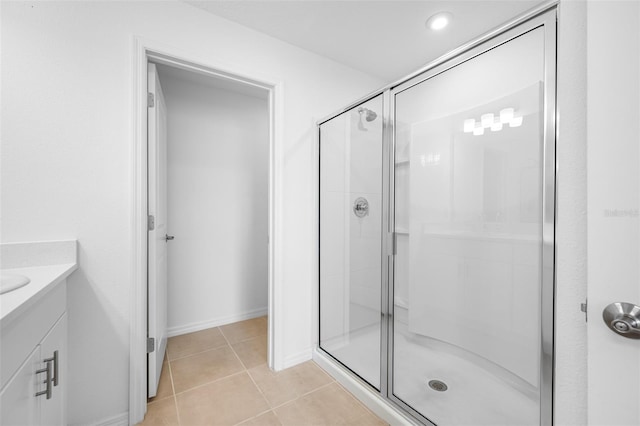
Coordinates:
(361, 207)
(623, 318)
(168, 237)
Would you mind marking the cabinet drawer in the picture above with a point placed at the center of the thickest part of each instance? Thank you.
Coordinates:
(21, 336)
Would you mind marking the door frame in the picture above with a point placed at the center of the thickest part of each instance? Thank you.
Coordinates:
(143, 51)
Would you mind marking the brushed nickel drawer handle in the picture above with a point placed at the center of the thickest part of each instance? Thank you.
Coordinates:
(54, 359)
(47, 380)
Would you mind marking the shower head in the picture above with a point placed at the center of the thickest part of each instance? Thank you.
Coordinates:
(368, 114)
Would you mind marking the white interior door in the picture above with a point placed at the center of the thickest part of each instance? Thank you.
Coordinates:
(613, 66)
(157, 205)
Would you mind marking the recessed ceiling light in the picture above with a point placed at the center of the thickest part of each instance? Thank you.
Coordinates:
(439, 20)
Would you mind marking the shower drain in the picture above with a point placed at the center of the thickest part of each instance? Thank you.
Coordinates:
(437, 385)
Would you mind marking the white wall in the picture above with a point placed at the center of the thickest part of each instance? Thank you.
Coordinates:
(570, 397)
(351, 246)
(67, 160)
(613, 182)
(364, 239)
(468, 193)
(218, 201)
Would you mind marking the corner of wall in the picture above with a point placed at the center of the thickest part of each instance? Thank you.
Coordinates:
(297, 358)
(570, 393)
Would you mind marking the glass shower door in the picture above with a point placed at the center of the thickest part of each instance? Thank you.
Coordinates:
(351, 212)
(468, 187)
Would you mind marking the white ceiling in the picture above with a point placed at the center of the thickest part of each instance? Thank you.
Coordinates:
(387, 39)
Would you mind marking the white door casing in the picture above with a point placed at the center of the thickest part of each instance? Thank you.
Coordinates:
(142, 50)
(613, 182)
(157, 207)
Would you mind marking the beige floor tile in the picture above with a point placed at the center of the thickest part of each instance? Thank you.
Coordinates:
(289, 384)
(312, 376)
(244, 330)
(369, 419)
(204, 367)
(192, 343)
(266, 419)
(165, 388)
(161, 412)
(252, 352)
(213, 387)
(224, 402)
(330, 405)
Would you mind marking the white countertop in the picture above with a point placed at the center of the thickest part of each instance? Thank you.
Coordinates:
(43, 280)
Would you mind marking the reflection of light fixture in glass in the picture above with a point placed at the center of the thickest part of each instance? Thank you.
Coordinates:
(493, 122)
(430, 159)
(487, 120)
(516, 122)
(469, 125)
(506, 115)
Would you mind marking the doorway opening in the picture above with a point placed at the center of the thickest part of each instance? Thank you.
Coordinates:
(204, 206)
(208, 168)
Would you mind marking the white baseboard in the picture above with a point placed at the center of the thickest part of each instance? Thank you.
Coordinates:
(372, 400)
(121, 419)
(215, 322)
(297, 358)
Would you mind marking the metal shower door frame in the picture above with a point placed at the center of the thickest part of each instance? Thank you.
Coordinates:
(384, 255)
(545, 16)
(546, 19)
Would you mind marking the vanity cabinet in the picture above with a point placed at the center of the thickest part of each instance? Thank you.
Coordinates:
(54, 349)
(34, 367)
(17, 400)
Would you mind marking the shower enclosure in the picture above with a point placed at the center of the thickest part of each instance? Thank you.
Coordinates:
(437, 207)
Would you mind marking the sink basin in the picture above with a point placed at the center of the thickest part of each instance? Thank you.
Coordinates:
(10, 282)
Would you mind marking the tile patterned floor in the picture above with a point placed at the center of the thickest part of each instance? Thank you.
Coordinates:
(219, 376)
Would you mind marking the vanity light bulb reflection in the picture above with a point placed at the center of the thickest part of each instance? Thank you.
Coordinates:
(506, 115)
(516, 122)
(495, 122)
(469, 125)
(487, 120)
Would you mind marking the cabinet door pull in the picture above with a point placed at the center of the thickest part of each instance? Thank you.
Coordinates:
(47, 381)
(54, 359)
